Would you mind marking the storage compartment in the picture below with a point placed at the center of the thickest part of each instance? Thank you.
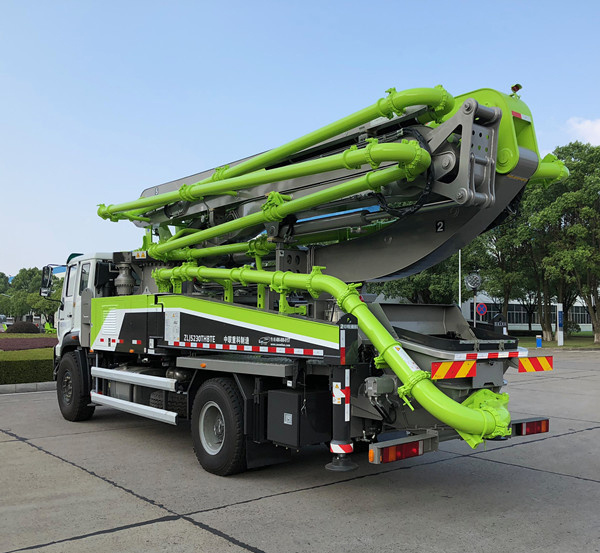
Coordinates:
(296, 418)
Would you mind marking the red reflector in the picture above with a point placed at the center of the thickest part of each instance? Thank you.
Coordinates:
(533, 427)
(402, 451)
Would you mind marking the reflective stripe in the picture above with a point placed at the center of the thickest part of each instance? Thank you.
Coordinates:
(341, 448)
(253, 349)
(536, 364)
(453, 369)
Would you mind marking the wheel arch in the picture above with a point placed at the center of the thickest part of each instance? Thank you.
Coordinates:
(83, 365)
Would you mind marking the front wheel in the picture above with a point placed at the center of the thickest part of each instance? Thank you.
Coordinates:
(218, 427)
(73, 403)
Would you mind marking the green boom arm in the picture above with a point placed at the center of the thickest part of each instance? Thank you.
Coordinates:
(439, 101)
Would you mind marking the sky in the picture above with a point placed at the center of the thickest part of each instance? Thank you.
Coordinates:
(101, 99)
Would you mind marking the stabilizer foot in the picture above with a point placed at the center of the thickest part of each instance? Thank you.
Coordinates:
(341, 463)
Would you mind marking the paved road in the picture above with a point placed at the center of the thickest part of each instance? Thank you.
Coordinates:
(120, 483)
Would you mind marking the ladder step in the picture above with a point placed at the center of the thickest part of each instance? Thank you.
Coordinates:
(158, 382)
(135, 408)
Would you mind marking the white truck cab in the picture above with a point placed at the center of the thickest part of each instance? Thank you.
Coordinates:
(85, 278)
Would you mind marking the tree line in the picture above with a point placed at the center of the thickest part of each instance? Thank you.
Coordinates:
(547, 250)
(22, 297)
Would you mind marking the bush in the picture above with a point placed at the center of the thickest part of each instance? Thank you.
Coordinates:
(23, 328)
(17, 367)
(571, 327)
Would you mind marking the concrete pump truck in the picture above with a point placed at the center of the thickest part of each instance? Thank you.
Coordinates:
(241, 311)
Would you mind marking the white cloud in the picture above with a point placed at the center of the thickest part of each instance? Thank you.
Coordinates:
(584, 130)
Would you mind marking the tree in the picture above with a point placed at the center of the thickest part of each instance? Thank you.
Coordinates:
(27, 279)
(46, 306)
(437, 284)
(3, 283)
(537, 234)
(576, 254)
(501, 272)
(18, 304)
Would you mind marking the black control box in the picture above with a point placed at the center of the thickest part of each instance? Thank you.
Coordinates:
(296, 418)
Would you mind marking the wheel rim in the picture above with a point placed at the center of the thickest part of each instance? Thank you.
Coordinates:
(66, 388)
(212, 428)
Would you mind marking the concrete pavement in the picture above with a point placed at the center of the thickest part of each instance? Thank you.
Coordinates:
(121, 483)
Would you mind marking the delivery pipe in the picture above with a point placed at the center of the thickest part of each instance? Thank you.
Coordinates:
(485, 419)
(415, 161)
(437, 99)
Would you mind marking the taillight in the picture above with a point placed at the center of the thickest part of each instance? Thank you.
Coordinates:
(401, 451)
(403, 448)
(531, 427)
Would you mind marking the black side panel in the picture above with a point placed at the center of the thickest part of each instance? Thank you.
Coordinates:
(134, 333)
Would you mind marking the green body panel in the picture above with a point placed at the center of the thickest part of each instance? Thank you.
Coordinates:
(101, 307)
(302, 326)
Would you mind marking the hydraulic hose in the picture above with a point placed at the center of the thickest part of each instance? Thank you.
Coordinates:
(481, 416)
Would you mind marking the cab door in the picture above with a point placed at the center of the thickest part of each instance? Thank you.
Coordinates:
(65, 312)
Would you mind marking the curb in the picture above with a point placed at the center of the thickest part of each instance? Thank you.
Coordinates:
(27, 387)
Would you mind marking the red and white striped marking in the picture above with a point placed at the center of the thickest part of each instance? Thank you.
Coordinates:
(341, 448)
(252, 349)
(521, 116)
(136, 342)
(489, 355)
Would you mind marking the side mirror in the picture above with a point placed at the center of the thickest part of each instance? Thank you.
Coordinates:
(46, 288)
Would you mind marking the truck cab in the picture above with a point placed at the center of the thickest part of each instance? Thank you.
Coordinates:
(86, 277)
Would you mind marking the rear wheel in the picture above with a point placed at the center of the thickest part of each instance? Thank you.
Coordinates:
(73, 403)
(218, 427)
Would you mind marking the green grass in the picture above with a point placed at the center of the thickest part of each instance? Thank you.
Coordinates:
(572, 342)
(26, 354)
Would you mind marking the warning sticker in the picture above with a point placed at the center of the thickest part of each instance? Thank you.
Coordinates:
(337, 393)
(406, 358)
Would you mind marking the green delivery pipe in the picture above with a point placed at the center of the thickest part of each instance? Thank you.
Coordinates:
(483, 415)
(438, 99)
(416, 160)
(350, 159)
(550, 170)
(260, 246)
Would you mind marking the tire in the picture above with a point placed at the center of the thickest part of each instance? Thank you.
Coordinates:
(218, 427)
(72, 401)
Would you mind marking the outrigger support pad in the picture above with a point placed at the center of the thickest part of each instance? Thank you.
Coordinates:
(341, 463)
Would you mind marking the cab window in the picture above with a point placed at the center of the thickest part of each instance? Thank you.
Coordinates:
(71, 280)
(85, 277)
